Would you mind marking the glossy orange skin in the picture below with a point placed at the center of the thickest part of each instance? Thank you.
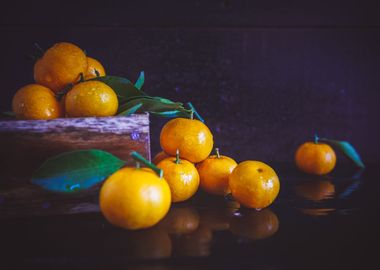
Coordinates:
(34, 101)
(160, 156)
(214, 174)
(255, 225)
(191, 137)
(90, 99)
(315, 190)
(134, 198)
(254, 184)
(60, 65)
(315, 158)
(180, 220)
(183, 178)
(94, 65)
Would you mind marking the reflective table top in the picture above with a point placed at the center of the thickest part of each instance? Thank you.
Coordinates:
(328, 222)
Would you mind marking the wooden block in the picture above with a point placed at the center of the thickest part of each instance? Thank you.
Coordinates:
(25, 145)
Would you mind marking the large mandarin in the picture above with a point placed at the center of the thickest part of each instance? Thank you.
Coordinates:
(191, 137)
(254, 184)
(214, 174)
(34, 101)
(134, 198)
(91, 98)
(182, 177)
(60, 66)
(315, 158)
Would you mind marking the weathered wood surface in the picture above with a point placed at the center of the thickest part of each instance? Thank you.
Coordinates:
(25, 145)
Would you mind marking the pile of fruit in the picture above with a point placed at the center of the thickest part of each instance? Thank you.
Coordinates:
(136, 198)
(60, 89)
(68, 83)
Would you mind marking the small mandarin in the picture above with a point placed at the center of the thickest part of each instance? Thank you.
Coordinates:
(134, 198)
(94, 69)
(33, 102)
(60, 66)
(315, 158)
(214, 172)
(91, 98)
(182, 177)
(254, 184)
(193, 139)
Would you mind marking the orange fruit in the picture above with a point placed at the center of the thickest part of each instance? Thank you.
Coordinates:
(60, 65)
(254, 184)
(35, 101)
(255, 225)
(160, 156)
(315, 190)
(214, 172)
(182, 177)
(180, 220)
(93, 67)
(91, 98)
(315, 158)
(191, 137)
(134, 198)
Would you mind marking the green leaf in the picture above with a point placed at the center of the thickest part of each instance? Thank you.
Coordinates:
(171, 114)
(132, 110)
(123, 87)
(140, 81)
(9, 114)
(155, 105)
(75, 171)
(347, 149)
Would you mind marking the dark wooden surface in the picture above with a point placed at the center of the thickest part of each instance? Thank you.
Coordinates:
(266, 75)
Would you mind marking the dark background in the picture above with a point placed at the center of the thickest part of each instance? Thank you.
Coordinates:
(266, 75)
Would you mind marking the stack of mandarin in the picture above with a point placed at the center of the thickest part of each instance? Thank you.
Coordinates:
(136, 198)
(60, 89)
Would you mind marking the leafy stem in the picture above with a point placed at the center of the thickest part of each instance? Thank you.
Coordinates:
(139, 158)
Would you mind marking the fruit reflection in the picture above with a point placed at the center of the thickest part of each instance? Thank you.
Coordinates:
(152, 243)
(216, 220)
(316, 211)
(195, 244)
(180, 220)
(315, 190)
(255, 224)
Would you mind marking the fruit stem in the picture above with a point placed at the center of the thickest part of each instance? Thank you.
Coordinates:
(217, 152)
(177, 160)
(192, 108)
(316, 139)
(136, 156)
